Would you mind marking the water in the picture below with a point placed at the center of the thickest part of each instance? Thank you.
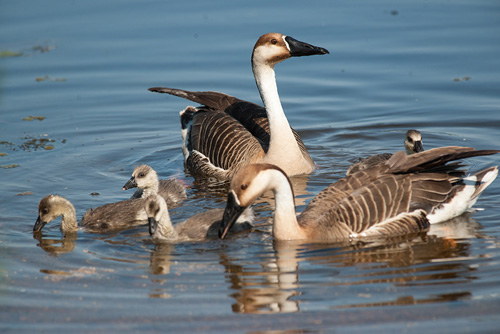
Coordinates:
(85, 67)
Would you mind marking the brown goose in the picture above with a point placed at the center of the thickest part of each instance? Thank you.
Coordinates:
(108, 217)
(403, 195)
(227, 133)
(145, 179)
(199, 227)
(413, 144)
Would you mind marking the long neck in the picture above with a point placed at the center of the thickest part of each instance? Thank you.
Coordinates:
(165, 229)
(68, 221)
(285, 226)
(283, 145)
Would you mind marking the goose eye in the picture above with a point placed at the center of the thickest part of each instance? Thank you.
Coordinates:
(274, 41)
(244, 186)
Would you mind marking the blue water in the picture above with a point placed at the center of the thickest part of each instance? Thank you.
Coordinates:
(85, 68)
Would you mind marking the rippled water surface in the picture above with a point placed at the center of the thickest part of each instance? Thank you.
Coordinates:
(76, 118)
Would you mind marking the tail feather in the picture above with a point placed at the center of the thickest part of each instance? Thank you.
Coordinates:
(214, 100)
(437, 157)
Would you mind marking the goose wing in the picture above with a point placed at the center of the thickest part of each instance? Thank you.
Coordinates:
(219, 144)
(251, 116)
(389, 198)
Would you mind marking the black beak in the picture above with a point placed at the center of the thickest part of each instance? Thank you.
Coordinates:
(419, 146)
(152, 225)
(130, 184)
(39, 224)
(298, 48)
(231, 214)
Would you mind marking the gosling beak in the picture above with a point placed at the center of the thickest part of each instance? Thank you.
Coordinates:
(130, 184)
(298, 48)
(152, 225)
(419, 146)
(39, 224)
(231, 214)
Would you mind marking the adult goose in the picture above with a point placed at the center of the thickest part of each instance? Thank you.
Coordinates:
(145, 179)
(401, 196)
(413, 144)
(226, 133)
(108, 217)
(199, 227)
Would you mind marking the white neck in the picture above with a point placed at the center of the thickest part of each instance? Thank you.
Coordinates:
(283, 148)
(285, 226)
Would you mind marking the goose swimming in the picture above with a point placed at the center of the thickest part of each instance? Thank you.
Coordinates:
(226, 133)
(146, 180)
(413, 144)
(108, 217)
(199, 227)
(401, 196)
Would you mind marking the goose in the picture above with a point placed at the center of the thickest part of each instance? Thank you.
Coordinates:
(403, 195)
(146, 180)
(199, 227)
(108, 217)
(413, 144)
(226, 133)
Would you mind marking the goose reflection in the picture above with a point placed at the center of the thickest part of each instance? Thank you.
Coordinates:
(364, 274)
(267, 291)
(57, 246)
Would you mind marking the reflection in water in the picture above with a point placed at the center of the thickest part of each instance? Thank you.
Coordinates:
(56, 246)
(268, 290)
(370, 274)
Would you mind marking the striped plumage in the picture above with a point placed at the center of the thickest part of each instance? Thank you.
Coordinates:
(226, 133)
(403, 195)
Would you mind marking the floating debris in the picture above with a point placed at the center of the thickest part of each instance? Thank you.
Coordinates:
(32, 118)
(8, 54)
(47, 78)
(94, 194)
(36, 144)
(462, 79)
(9, 166)
(26, 193)
(3, 154)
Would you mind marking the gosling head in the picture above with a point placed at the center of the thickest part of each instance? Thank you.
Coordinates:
(273, 48)
(413, 142)
(51, 207)
(143, 177)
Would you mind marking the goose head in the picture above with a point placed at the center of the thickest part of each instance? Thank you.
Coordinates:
(51, 207)
(246, 186)
(413, 142)
(143, 177)
(273, 48)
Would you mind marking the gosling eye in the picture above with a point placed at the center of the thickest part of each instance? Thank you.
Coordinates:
(142, 174)
(274, 41)
(410, 140)
(45, 211)
(244, 186)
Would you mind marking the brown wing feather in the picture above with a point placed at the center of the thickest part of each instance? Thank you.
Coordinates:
(251, 116)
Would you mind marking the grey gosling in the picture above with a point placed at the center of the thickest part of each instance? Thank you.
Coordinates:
(145, 179)
(108, 217)
(199, 227)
